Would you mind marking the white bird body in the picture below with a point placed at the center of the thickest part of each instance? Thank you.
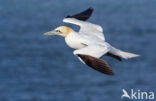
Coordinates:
(89, 44)
(73, 41)
(91, 37)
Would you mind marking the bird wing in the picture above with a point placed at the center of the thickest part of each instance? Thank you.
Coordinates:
(114, 56)
(94, 50)
(87, 28)
(97, 64)
(83, 15)
(90, 56)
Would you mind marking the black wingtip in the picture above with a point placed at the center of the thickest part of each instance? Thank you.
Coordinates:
(114, 56)
(97, 64)
(86, 14)
(91, 8)
(111, 74)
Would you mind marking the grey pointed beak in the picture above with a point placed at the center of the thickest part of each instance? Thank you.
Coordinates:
(50, 33)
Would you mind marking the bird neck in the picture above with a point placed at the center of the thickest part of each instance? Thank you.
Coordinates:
(68, 32)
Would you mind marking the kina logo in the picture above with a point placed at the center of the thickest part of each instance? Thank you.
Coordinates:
(137, 95)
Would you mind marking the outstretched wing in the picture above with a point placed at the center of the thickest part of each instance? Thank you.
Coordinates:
(93, 50)
(97, 64)
(83, 15)
(87, 28)
(90, 55)
(114, 56)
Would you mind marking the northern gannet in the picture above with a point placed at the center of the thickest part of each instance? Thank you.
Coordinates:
(89, 43)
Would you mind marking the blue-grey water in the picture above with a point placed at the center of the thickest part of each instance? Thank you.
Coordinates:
(34, 67)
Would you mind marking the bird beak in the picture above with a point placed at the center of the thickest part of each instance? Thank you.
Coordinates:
(50, 33)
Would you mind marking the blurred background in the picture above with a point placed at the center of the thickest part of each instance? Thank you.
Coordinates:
(34, 67)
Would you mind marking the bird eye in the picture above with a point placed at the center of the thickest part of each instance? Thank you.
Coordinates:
(58, 31)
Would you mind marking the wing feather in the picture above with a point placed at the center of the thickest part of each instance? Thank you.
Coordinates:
(97, 64)
(87, 28)
(83, 15)
(93, 50)
(114, 56)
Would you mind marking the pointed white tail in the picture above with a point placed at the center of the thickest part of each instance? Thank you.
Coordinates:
(122, 54)
(127, 55)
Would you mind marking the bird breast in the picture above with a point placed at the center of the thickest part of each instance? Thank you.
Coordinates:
(73, 41)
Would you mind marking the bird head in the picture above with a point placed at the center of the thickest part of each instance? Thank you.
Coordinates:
(61, 31)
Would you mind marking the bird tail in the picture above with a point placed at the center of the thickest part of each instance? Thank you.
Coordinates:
(123, 54)
(127, 55)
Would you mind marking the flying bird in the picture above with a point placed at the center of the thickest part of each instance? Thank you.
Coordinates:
(89, 43)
